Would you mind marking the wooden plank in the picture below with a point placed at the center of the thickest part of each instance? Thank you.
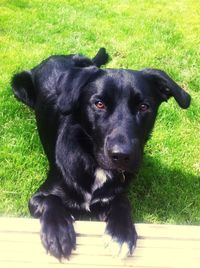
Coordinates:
(34, 239)
(92, 239)
(145, 260)
(97, 228)
(86, 250)
(158, 246)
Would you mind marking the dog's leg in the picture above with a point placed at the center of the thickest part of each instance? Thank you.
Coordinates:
(120, 233)
(57, 231)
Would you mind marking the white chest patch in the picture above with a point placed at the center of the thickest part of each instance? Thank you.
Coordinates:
(101, 176)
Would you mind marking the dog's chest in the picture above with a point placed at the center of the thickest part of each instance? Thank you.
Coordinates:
(101, 177)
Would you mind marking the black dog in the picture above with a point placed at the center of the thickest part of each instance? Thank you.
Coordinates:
(93, 124)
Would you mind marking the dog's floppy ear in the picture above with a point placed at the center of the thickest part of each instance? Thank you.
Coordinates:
(69, 87)
(23, 88)
(167, 87)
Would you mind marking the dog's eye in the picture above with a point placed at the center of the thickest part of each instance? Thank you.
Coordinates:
(143, 107)
(100, 105)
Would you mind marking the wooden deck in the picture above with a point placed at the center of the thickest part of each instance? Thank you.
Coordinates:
(158, 246)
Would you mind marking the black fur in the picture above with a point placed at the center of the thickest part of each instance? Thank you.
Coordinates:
(93, 124)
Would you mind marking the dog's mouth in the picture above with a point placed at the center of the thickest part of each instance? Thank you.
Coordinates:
(130, 167)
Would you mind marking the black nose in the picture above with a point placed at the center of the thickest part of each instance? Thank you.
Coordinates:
(119, 155)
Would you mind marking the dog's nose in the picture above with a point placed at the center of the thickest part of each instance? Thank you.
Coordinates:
(119, 155)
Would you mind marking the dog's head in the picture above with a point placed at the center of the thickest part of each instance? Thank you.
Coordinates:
(117, 110)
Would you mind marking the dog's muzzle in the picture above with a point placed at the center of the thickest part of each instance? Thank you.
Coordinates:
(122, 153)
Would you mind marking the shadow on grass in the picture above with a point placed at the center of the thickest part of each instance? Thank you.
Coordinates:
(160, 194)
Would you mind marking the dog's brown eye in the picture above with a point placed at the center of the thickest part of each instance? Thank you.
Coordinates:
(143, 107)
(100, 105)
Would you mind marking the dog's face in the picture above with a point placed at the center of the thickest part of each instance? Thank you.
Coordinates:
(117, 110)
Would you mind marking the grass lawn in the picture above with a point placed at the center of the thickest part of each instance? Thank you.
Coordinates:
(137, 34)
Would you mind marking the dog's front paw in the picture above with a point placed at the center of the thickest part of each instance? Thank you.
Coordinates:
(57, 234)
(120, 240)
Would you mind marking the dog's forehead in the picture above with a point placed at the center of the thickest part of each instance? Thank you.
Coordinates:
(122, 82)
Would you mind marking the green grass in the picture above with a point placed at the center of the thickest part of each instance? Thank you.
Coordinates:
(137, 34)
